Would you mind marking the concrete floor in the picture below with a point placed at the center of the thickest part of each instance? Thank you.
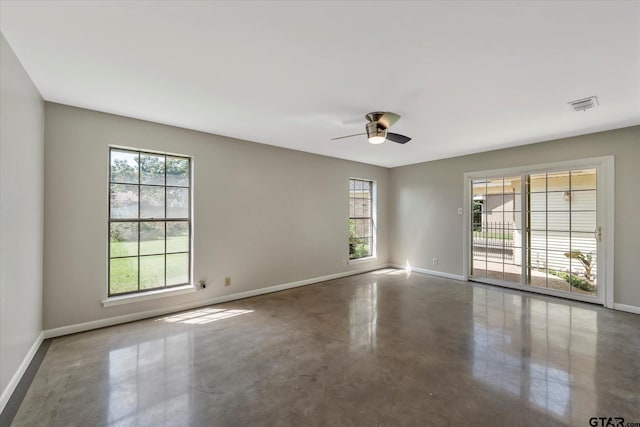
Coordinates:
(378, 349)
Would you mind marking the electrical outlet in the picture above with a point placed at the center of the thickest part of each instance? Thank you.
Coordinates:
(435, 261)
(227, 281)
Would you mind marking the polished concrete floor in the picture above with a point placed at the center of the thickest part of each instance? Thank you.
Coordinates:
(379, 349)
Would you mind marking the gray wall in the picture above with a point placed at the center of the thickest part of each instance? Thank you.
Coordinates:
(21, 210)
(263, 215)
(424, 223)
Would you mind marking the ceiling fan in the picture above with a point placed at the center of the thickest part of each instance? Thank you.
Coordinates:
(376, 128)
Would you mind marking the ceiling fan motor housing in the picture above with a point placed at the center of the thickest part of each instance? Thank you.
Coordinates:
(375, 116)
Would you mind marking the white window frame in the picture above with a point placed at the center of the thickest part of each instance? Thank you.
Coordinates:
(374, 220)
(160, 292)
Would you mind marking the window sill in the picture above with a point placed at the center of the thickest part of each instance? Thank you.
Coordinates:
(160, 293)
(361, 260)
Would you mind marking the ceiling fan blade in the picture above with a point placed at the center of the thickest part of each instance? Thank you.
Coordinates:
(388, 119)
(348, 136)
(396, 137)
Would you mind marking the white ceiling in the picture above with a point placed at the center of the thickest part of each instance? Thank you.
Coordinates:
(465, 76)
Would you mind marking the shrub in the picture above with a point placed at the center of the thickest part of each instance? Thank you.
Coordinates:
(361, 250)
(123, 231)
(575, 281)
(585, 259)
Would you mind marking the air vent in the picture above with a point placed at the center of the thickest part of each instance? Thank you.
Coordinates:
(584, 104)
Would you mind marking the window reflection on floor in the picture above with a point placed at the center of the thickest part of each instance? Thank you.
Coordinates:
(363, 317)
(150, 381)
(532, 348)
(203, 316)
(389, 271)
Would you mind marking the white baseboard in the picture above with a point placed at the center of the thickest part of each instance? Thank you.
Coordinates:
(431, 272)
(627, 308)
(110, 321)
(17, 376)
(87, 326)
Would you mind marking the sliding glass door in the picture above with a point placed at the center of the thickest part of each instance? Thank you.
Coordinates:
(537, 229)
(562, 250)
(496, 228)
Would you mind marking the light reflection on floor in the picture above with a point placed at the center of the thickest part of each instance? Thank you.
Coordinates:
(390, 272)
(135, 395)
(363, 318)
(203, 316)
(544, 375)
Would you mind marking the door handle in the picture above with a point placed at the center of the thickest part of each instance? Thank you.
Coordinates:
(597, 233)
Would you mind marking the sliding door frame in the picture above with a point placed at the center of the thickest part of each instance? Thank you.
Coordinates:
(605, 186)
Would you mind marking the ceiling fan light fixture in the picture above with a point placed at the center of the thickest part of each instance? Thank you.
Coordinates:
(376, 139)
(376, 134)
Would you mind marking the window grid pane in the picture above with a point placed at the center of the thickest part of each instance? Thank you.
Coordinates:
(360, 218)
(149, 221)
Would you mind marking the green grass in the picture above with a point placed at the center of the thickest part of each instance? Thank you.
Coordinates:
(149, 247)
(124, 271)
(496, 235)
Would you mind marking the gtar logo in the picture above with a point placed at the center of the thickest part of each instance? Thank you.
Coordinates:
(606, 422)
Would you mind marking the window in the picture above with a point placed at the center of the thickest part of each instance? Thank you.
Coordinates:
(149, 221)
(361, 218)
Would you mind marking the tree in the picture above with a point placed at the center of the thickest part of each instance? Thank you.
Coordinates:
(586, 260)
(178, 171)
(477, 215)
(152, 170)
(122, 171)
